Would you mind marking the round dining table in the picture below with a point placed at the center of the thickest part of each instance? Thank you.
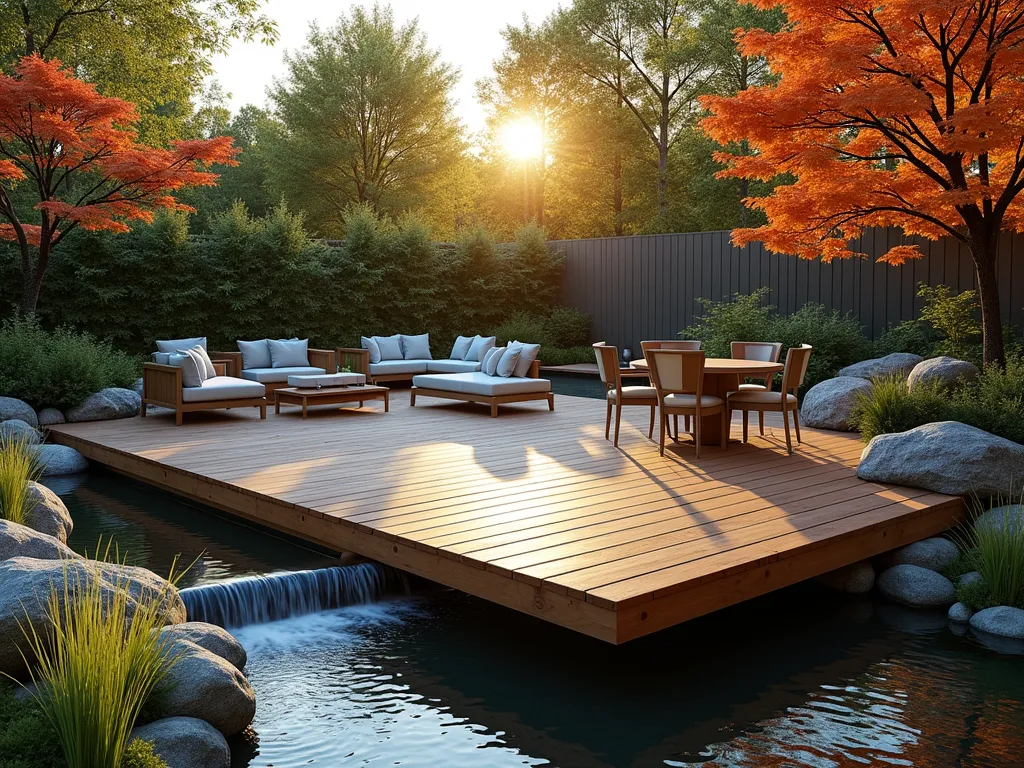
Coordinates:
(723, 375)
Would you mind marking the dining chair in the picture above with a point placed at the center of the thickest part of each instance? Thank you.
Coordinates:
(618, 395)
(685, 345)
(785, 401)
(765, 351)
(678, 377)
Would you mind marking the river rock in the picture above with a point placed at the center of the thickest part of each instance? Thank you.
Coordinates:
(201, 684)
(1009, 515)
(47, 513)
(61, 460)
(21, 541)
(27, 587)
(211, 637)
(186, 742)
(959, 613)
(18, 430)
(13, 408)
(830, 403)
(970, 578)
(856, 579)
(1001, 620)
(947, 457)
(50, 416)
(109, 403)
(945, 372)
(917, 587)
(138, 386)
(934, 554)
(897, 364)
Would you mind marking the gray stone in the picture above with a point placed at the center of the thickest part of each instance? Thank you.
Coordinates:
(28, 583)
(947, 457)
(933, 554)
(61, 460)
(211, 637)
(109, 403)
(47, 513)
(18, 430)
(917, 587)
(50, 416)
(1008, 516)
(897, 364)
(856, 579)
(830, 404)
(959, 613)
(186, 742)
(203, 685)
(945, 372)
(21, 541)
(969, 578)
(1001, 620)
(13, 408)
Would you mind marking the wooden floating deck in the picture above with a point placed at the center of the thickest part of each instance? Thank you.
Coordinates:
(535, 510)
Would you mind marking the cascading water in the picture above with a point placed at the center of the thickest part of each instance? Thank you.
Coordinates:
(259, 599)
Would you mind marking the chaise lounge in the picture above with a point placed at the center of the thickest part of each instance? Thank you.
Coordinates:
(401, 357)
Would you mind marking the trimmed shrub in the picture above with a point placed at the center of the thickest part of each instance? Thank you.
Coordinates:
(568, 327)
(523, 327)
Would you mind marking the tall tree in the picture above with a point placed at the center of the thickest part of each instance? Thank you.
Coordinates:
(367, 118)
(899, 114)
(78, 154)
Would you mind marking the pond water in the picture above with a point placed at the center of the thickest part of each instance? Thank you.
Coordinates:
(801, 677)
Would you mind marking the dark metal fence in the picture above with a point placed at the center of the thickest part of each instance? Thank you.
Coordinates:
(647, 286)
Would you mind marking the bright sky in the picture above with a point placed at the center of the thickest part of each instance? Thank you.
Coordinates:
(466, 32)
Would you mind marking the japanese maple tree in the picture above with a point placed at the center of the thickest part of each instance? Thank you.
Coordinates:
(905, 113)
(69, 157)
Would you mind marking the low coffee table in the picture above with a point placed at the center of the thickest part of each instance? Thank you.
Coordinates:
(329, 396)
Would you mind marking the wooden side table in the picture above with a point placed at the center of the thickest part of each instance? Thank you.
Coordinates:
(329, 396)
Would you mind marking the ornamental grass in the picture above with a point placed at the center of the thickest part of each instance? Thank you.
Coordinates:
(19, 463)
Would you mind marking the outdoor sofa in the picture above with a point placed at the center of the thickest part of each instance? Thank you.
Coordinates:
(400, 357)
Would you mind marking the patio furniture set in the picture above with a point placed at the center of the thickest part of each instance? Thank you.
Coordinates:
(684, 382)
(185, 376)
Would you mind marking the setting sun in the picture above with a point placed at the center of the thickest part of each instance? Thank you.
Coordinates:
(522, 139)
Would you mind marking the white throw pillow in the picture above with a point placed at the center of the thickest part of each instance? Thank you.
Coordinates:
(479, 348)
(527, 354)
(193, 372)
(255, 354)
(461, 347)
(490, 361)
(173, 345)
(208, 370)
(416, 347)
(289, 354)
(390, 347)
(507, 362)
(370, 346)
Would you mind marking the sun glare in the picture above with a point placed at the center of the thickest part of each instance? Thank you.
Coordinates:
(522, 139)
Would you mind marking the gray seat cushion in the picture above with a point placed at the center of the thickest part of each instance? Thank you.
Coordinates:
(288, 354)
(278, 375)
(416, 347)
(223, 388)
(452, 366)
(390, 367)
(481, 384)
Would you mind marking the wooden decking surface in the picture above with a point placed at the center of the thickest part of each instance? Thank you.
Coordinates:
(535, 510)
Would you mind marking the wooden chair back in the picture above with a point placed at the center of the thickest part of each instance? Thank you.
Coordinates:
(680, 344)
(764, 351)
(676, 371)
(796, 367)
(608, 366)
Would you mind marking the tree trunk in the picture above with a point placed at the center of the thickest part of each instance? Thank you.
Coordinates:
(30, 287)
(984, 253)
(617, 192)
(663, 165)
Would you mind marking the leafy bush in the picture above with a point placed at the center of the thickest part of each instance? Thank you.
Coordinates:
(746, 318)
(19, 463)
(914, 336)
(954, 318)
(566, 355)
(140, 754)
(564, 328)
(58, 369)
(523, 327)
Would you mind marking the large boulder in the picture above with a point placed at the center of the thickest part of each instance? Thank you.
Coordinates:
(61, 460)
(935, 554)
(50, 416)
(1008, 516)
(203, 685)
(211, 637)
(959, 613)
(856, 579)
(830, 403)
(21, 541)
(47, 513)
(947, 457)
(897, 364)
(945, 372)
(13, 408)
(917, 587)
(29, 582)
(18, 430)
(109, 403)
(1001, 620)
(186, 742)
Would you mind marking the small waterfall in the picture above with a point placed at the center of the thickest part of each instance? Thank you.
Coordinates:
(259, 599)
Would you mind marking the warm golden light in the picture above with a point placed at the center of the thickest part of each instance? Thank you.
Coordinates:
(522, 139)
